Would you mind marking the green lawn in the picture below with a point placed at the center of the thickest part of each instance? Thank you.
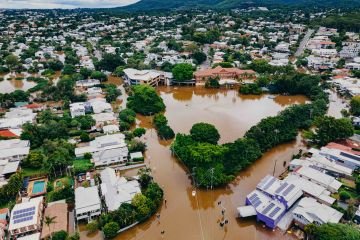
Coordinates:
(82, 165)
(30, 172)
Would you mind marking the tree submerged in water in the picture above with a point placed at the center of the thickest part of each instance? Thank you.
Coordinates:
(145, 100)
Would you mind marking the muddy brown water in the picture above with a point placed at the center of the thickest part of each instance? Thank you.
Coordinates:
(197, 218)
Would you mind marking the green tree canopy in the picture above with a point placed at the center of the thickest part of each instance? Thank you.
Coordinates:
(355, 105)
(182, 72)
(145, 100)
(205, 132)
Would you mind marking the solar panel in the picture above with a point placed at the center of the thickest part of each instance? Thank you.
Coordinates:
(257, 203)
(24, 215)
(281, 187)
(24, 210)
(267, 209)
(253, 197)
(270, 183)
(23, 219)
(353, 157)
(289, 189)
(275, 211)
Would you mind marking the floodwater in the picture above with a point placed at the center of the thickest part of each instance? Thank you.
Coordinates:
(197, 218)
(10, 84)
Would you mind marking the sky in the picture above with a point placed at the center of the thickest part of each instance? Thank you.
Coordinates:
(67, 4)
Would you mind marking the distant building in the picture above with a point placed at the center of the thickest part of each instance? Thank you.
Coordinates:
(77, 109)
(322, 179)
(148, 77)
(11, 153)
(341, 157)
(87, 83)
(310, 211)
(106, 150)
(26, 218)
(117, 190)
(223, 73)
(87, 203)
(16, 117)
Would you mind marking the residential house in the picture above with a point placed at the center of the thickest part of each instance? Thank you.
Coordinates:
(310, 211)
(116, 190)
(202, 76)
(149, 77)
(26, 217)
(87, 203)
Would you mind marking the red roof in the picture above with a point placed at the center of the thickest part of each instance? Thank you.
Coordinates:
(7, 133)
(33, 105)
(342, 148)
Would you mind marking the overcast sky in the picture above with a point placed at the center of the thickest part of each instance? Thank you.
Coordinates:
(19, 4)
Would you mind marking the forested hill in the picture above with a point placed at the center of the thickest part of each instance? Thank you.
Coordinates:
(148, 5)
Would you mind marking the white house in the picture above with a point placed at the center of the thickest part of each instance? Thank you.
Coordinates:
(26, 217)
(310, 211)
(117, 190)
(108, 149)
(77, 109)
(11, 153)
(87, 203)
(149, 77)
(322, 179)
(16, 117)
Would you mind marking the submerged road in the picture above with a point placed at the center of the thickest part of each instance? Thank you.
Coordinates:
(303, 43)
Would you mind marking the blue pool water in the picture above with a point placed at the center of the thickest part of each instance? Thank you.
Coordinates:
(39, 187)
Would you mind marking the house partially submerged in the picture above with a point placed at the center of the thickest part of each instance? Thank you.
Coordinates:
(87, 203)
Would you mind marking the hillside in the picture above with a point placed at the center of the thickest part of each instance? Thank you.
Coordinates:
(148, 5)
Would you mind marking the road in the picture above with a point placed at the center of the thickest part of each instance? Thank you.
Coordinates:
(303, 43)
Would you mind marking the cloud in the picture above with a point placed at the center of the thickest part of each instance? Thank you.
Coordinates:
(68, 4)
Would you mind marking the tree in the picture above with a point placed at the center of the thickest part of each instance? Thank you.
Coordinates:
(86, 122)
(111, 229)
(204, 132)
(332, 231)
(160, 120)
(110, 62)
(329, 129)
(60, 235)
(182, 72)
(55, 65)
(344, 195)
(127, 115)
(144, 177)
(155, 193)
(145, 100)
(143, 206)
(138, 132)
(85, 72)
(35, 159)
(199, 57)
(112, 92)
(99, 76)
(355, 105)
(69, 69)
(84, 137)
(48, 222)
(11, 61)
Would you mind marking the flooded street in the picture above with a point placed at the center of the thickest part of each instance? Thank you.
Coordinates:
(188, 217)
(9, 82)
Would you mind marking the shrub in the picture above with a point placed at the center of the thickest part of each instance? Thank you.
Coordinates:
(111, 229)
(344, 195)
(92, 227)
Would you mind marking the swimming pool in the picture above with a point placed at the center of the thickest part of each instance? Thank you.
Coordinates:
(39, 187)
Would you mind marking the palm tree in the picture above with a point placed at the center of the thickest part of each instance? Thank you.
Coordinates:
(48, 221)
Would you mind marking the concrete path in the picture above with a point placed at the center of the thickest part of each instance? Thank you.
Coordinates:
(303, 42)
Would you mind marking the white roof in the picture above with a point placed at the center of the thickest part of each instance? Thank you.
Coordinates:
(145, 75)
(246, 211)
(10, 167)
(103, 117)
(310, 209)
(321, 178)
(13, 147)
(87, 199)
(116, 154)
(111, 128)
(310, 188)
(136, 155)
(35, 236)
(103, 143)
(117, 190)
(25, 214)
